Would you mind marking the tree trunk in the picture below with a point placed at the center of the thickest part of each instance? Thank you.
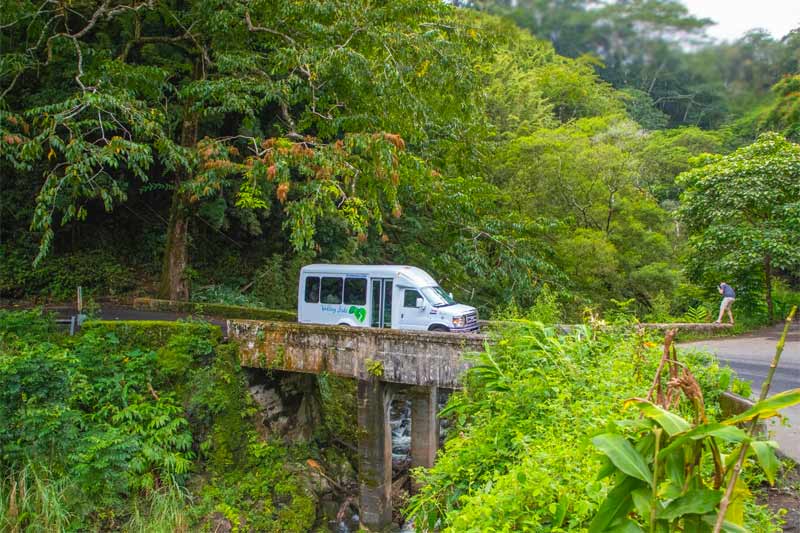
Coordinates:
(174, 285)
(768, 287)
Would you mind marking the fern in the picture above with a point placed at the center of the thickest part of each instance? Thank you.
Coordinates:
(696, 314)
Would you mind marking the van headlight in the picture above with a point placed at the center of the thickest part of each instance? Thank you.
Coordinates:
(459, 321)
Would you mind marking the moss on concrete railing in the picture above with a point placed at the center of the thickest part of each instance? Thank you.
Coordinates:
(215, 310)
(151, 333)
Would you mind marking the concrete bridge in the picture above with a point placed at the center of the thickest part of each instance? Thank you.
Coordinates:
(383, 361)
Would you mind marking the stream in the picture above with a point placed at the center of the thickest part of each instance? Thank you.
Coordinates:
(400, 422)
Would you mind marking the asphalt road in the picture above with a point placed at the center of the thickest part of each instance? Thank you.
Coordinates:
(750, 356)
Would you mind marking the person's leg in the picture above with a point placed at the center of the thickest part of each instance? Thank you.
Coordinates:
(730, 309)
(721, 311)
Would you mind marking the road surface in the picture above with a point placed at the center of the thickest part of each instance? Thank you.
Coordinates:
(750, 356)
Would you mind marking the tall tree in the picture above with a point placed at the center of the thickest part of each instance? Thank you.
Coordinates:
(302, 106)
(743, 212)
(783, 114)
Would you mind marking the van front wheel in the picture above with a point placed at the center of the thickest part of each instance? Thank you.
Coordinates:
(439, 328)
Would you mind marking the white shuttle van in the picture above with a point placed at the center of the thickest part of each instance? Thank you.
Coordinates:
(379, 296)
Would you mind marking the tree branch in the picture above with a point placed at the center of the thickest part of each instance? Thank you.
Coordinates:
(255, 29)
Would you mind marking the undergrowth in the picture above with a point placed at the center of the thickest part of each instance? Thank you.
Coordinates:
(143, 426)
(519, 456)
(57, 279)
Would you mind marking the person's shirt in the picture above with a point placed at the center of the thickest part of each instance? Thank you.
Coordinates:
(727, 291)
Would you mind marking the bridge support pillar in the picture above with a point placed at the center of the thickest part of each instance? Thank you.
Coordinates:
(374, 454)
(424, 426)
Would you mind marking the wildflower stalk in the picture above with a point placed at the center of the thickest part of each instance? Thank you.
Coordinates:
(726, 499)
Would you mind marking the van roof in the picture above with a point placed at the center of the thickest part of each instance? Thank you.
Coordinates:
(415, 275)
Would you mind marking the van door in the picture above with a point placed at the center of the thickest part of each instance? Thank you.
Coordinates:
(381, 303)
(411, 316)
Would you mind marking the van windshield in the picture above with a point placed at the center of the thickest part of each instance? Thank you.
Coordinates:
(436, 296)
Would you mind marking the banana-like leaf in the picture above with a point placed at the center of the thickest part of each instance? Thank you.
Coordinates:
(700, 501)
(672, 423)
(641, 502)
(674, 470)
(561, 511)
(606, 469)
(765, 452)
(646, 445)
(721, 431)
(617, 505)
(735, 512)
(624, 456)
(628, 526)
(767, 408)
(727, 527)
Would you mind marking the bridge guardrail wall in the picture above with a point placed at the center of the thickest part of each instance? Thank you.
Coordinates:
(405, 357)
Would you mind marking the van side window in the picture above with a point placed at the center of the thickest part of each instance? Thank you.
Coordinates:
(331, 290)
(355, 291)
(410, 298)
(312, 290)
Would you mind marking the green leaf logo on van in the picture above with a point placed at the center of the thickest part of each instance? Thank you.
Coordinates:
(359, 312)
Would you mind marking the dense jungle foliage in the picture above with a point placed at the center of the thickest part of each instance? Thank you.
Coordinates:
(207, 150)
(546, 160)
(535, 390)
(149, 426)
(137, 427)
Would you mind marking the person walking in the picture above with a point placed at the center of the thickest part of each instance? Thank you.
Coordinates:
(728, 297)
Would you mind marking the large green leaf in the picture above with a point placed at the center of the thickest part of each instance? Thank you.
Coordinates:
(606, 469)
(641, 501)
(720, 431)
(672, 423)
(617, 504)
(727, 527)
(624, 456)
(765, 452)
(699, 501)
(768, 408)
(741, 494)
(627, 526)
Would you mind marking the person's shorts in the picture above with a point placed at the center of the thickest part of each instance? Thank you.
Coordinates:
(726, 303)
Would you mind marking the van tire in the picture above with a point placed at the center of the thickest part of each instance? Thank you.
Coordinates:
(439, 328)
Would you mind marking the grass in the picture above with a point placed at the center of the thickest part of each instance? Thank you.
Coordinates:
(161, 511)
(33, 500)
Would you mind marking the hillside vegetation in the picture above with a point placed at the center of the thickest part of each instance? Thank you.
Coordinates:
(572, 161)
(215, 147)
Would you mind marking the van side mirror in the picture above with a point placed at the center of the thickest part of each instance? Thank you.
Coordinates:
(420, 304)
(450, 294)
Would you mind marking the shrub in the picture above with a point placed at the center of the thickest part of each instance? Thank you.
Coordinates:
(546, 308)
(122, 419)
(215, 310)
(57, 277)
(275, 282)
(520, 456)
(223, 294)
(659, 309)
